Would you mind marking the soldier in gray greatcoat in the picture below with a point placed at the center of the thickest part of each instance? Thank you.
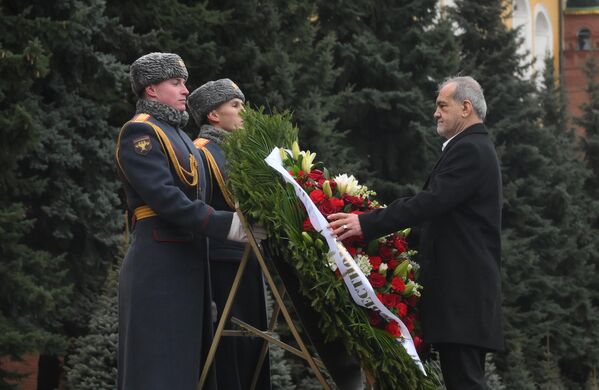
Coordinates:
(164, 302)
(216, 108)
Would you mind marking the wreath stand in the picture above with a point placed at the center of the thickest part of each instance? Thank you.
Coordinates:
(249, 331)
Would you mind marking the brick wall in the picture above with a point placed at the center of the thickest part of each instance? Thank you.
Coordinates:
(574, 58)
(28, 365)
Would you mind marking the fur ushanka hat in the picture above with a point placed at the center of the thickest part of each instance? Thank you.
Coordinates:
(211, 95)
(153, 68)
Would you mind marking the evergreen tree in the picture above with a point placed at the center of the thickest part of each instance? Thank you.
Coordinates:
(69, 82)
(287, 64)
(516, 374)
(589, 121)
(183, 27)
(548, 251)
(592, 382)
(392, 55)
(33, 287)
(282, 65)
(93, 365)
(492, 377)
(553, 380)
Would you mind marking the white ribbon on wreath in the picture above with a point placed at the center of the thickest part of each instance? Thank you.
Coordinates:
(356, 282)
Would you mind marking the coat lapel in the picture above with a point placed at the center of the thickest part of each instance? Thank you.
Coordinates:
(478, 128)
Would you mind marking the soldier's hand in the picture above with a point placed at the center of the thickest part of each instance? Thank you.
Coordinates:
(259, 232)
(237, 232)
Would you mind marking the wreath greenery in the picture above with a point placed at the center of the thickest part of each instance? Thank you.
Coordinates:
(264, 197)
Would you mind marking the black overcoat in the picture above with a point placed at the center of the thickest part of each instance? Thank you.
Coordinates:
(459, 211)
(164, 301)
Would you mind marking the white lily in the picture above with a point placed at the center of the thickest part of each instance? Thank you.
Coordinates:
(347, 184)
(307, 160)
(295, 150)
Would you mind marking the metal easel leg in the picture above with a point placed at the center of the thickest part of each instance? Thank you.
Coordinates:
(306, 353)
(224, 316)
(271, 326)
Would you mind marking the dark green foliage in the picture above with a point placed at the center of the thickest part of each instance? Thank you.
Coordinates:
(516, 373)
(589, 121)
(552, 379)
(33, 289)
(93, 365)
(288, 63)
(392, 55)
(76, 209)
(59, 192)
(492, 377)
(592, 383)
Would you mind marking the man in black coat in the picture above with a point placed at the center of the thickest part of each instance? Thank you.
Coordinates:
(459, 211)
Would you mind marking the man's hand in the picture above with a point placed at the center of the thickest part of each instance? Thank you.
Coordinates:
(345, 225)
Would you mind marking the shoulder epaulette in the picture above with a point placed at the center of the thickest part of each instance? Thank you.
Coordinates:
(188, 177)
(140, 118)
(214, 170)
(200, 142)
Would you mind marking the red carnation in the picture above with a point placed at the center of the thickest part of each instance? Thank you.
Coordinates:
(390, 300)
(392, 264)
(412, 300)
(400, 244)
(398, 285)
(316, 175)
(377, 280)
(308, 226)
(375, 261)
(393, 329)
(337, 203)
(417, 342)
(317, 196)
(354, 200)
(402, 309)
(409, 323)
(330, 206)
(385, 252)
(374, 318)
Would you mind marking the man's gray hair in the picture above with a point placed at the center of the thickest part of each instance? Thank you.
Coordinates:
(468, 89)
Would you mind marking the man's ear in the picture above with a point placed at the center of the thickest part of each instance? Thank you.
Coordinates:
(213, 117)
(467, 108)
(150, 91)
